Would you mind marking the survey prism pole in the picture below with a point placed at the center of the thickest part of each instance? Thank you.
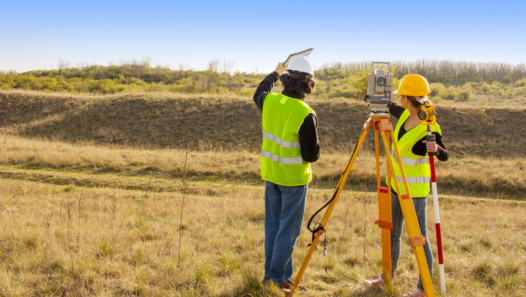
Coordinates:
(431, 137)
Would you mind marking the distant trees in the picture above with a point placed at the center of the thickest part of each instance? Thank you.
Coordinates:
(446, 72)
(344, 82)
(129, 76)
(449, 80)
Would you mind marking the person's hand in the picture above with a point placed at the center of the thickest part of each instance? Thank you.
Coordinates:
(432, 146)
(280, 69)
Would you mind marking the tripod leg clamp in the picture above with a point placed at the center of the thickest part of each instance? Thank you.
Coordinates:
(385, 125)
(384, 207)
(418, 241)
(384, 224)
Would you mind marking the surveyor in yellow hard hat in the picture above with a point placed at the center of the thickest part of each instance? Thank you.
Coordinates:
(290, 144)
(413, 147)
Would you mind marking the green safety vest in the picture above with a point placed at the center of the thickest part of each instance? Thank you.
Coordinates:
(281, 161)
(416, 168)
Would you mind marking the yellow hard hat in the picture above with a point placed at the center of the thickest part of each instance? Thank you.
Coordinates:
(413, 85)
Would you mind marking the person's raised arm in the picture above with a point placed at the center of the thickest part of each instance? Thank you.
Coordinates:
(266, 85)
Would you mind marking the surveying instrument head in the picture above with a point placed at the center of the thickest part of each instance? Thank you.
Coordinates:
(427, 114)
(428, 117)
(379, 90)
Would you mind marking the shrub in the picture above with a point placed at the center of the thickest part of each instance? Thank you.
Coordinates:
(452, 93)
(155, 87)
(24, 81)
(7, 81)
(104, 86)
(466, 94)
(45, 84)
(438, 90)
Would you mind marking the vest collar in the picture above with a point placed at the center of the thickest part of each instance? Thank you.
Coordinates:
(294, 95)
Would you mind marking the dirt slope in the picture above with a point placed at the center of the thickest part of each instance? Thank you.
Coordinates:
(203, 122)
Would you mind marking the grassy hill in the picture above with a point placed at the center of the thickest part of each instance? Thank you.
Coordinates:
(116, 134)
(232, 123)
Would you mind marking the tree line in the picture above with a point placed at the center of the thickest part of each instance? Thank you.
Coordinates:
(449, 79)
(446, 72)
(127, 77)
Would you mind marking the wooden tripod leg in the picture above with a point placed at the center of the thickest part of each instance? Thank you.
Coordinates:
(330, 208)
(388, 217)
(408, 210)
(384, 213)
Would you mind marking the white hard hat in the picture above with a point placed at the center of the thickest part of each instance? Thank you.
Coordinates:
(301, 64)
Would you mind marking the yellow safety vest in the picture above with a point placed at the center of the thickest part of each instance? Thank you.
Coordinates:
(416, 168)
(281, 161)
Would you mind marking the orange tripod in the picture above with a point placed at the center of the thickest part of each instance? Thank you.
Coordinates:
(384, 126)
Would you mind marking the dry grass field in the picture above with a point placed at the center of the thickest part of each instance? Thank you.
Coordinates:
(102, 166)
(96, 199)
(79, 241)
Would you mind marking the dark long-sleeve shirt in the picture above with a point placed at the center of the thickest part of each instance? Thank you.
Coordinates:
(309, 143)
(419, 148)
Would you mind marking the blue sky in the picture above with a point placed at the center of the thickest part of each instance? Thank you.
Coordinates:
(255, 35)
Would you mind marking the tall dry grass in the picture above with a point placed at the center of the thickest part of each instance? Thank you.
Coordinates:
(37, 159)
(119, 242)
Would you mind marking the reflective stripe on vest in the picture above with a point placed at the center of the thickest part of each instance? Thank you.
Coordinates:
(411, 162)
(414, 180)
(284, 161)
(281, 142)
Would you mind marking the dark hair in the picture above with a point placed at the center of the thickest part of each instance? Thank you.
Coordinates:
(415, 103)
(302, 86)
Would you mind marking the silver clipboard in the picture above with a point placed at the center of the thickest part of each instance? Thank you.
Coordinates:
(304, 53)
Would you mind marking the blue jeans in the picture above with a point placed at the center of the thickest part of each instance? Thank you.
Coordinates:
(284, 210)
(396, 233)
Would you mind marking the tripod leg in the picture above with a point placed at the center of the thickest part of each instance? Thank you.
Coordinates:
(330, 208)
(387, 156)
(413, 229)
(377, 150)
(389, 211)
(384, 213)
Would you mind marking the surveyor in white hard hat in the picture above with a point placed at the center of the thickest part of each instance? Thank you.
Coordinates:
(414, 148)
(290, 144)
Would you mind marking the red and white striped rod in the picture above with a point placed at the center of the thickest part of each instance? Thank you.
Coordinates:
(437, 222)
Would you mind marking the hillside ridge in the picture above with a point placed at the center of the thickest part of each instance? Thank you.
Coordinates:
(232, 123)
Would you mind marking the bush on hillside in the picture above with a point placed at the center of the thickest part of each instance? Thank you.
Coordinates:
(448, 80)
